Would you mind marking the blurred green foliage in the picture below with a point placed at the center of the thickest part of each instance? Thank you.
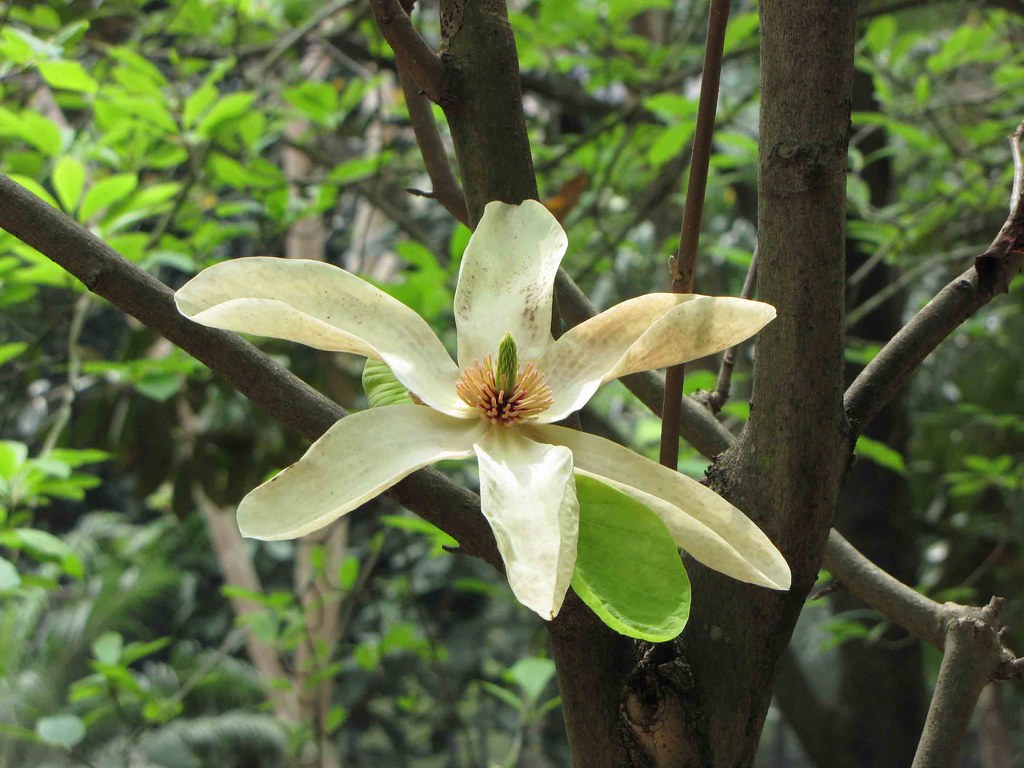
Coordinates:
(164, 127)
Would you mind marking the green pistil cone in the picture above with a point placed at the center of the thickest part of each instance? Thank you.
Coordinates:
(508, 364)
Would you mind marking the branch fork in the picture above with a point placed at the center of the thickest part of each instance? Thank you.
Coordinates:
(411, 51)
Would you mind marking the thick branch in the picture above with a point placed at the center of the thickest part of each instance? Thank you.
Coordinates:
(919, 615)
(570, 94)
(485, 116)
(786, 469)
(971, 640)
(268, 384)
(971, 643)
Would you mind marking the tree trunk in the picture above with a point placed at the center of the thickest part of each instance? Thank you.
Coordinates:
(703, 700)
(787, 467)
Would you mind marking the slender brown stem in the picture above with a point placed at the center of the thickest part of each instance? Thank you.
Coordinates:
(684, 265)
(723, 386)
(446, 188)
(290, 39)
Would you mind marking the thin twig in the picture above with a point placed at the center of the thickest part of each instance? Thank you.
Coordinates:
(287, 41)
(684, 265)
(961, 298)
(723, 386)
(74, 370)
(446, 189)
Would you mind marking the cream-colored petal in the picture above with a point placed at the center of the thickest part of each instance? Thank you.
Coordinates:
(707, 526)
(506, 281)
(357, 459)
(528, 495)
(325, 307)
(652, 331)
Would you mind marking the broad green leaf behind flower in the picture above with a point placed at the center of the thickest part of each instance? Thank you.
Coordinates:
(628, 569)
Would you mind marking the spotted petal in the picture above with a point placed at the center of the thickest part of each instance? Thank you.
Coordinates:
(652, 331)
(506, 279)
(325, 307)
(358, 458)
(528, 496)
(704, 524)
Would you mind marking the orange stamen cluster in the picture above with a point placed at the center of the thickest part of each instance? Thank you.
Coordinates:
(529, 398)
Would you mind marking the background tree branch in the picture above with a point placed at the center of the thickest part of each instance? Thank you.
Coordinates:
(264, 381)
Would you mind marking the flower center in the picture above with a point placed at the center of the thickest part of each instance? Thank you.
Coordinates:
(521, 397)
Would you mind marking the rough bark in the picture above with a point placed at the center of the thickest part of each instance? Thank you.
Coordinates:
(786, 469)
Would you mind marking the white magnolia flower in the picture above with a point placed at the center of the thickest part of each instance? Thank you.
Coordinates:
(512, 382)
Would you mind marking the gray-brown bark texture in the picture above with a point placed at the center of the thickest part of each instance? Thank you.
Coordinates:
(787, 467)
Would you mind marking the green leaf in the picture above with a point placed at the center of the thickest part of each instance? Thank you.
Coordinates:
(159, 386)
(628, 569)
(61, 730)
(532, 676)
(69, 181)
(30, 46)
(106, 192)
(10, 351)
(360, 168)
(381, 386)
(742, 28)
(669, 144)
(107, 647)
(12, 457)
(135, 651)
(9, 576)
(35, 188)
(229, 108)
(68, 76)
(73, 457)
(502, 694)
(46, 546)
(32, 128)
(438, 538)
(318, 101)
(881, 454)
(671, 107)
(457, 244)
(880, 33)
(198, 102)
(348, 572)
(253, 174)
(336, 717)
